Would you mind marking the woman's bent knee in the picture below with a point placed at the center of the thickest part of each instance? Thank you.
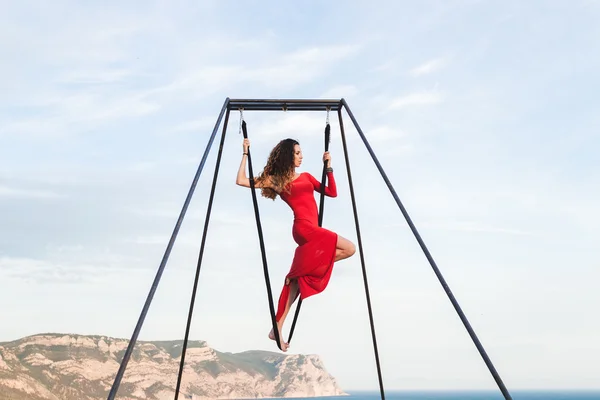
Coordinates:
(345, 247)
(351, 249)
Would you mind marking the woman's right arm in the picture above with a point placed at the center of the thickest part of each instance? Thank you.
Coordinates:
(242, 179)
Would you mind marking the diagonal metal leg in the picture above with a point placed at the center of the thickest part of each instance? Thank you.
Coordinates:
(206, 221)
(115, 387)
(462, 316)
(362, 259)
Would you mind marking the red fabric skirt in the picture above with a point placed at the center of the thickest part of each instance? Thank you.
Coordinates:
(313, 261)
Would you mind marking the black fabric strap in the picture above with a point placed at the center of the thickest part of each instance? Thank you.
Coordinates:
(321, 206)
(262, 242)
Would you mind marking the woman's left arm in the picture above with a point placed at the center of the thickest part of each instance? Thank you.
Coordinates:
(330, 188)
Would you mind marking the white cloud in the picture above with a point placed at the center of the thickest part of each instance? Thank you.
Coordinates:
(161, 210)
(338, 92)
(159, 240)
(98, 76)
(384, 133)
(475, 226)
(284, 72)
(293, 124)
(304, 65)
(196, 125)
(217, 217)
(46, 271)
(95, 73)
(429, 67)
(66, 113)
(417, 99)
(201, 82)
(7, 191)
(386, 66)
(84, 76)
(141, 166)
(70, 110)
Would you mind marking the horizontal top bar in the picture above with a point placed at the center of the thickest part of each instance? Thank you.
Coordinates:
(284, 104)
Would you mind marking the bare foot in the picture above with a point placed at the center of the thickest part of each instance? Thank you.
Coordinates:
(284, 346)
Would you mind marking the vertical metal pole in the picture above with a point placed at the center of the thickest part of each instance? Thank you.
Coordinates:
(462, 316)
(362, 259)
(115, 387)
(194, 289)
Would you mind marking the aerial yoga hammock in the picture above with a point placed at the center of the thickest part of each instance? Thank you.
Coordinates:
(315, 255)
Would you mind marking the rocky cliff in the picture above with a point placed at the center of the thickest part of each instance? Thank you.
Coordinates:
(75, 367)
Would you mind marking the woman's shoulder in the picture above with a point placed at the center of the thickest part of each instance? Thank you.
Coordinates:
(300, 175)
(306, 174)
(309, 176)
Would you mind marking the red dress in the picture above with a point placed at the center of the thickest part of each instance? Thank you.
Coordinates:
(314, 257)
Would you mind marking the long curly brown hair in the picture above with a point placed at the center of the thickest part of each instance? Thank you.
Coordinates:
(279, 171)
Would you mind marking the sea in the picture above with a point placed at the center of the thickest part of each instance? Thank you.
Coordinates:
(466, 395)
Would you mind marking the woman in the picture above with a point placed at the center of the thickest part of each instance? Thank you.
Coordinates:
(318, 248)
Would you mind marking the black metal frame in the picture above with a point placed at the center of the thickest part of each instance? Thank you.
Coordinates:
(291, 105)
(284, 105)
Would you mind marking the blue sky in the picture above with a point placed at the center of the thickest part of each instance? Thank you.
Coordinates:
(483, 114)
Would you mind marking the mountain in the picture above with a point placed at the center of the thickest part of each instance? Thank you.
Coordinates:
(77, 367)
